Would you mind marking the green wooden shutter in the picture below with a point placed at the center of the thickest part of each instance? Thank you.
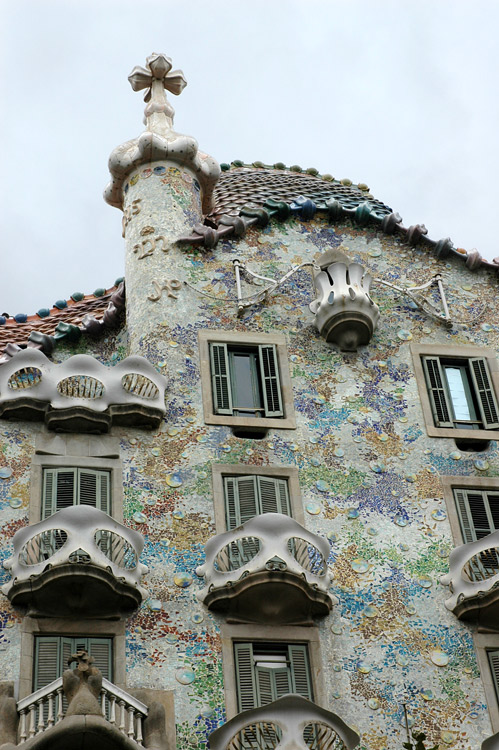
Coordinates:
(48, 662)
(58, 490)
(271, 386)
(273, 495)
(300, 670)
(247, 506)
(230, 495)
(435, 381)
(245, 676)
(494, 669)
(222, 395)
(48, 492)
(265, 687)
(493, 501)
(283, 682)
(465, 516)
(93, 489)
(487, 402)
(102, 651)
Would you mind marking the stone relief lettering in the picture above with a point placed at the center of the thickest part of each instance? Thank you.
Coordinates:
(145, 250)
(174, 285)
(129, 212)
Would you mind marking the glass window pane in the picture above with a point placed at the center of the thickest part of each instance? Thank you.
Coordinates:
(460, 393)
(245, 390)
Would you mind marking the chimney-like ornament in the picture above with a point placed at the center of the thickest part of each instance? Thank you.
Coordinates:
(344, 312)
(160, 142)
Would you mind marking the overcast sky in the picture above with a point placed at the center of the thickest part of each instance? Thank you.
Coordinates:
(401, 95)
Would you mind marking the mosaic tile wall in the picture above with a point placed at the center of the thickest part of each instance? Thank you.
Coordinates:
(369, 478)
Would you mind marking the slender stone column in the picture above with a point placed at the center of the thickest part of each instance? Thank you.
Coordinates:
(163, 184)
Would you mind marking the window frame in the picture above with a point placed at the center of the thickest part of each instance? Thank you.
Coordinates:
(485, 642)
(289, 473)
(445, 352)
(249, 340)
(287, 634)
(76, 452)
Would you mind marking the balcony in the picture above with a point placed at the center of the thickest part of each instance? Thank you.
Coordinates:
(269, 570)
(81, 394)
(77, 561)
(292, 723)
(344, 312)
(473, 580)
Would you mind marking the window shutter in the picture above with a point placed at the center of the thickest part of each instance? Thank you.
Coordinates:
(465, 516)
(230, 491)
(494, 668)
(300, 671)
(282, 682)
(66, 488)
(222, 395)
(49, 504)
(48, 663)
(274, 496)
(246, 496)
(265, 686)
(245, 676)
(101, 650)
(493, 501)
(435, 382)
(485, 393)
(271, 386)
(87, 487)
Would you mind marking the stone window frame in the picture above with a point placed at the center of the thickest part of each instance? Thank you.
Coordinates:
(34, 626)
(454, 481)
(76, 451)
(229, 634)
(488, 642)
(290, 473)
(452, 352)
(243, 338)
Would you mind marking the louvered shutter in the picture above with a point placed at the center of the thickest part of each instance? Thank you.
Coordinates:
(300, 670)
(273, 495)
(265, 686)
(49, 494)
(66, 488)
(87, 487)
(101, 650)
(246, 496)
(271, 386)
(245, 676)
(494, 669)
(283, 683)
(487, 402)
(222, 395)
(493, 501)
(465, 517)
(435, 381)
(48, 663)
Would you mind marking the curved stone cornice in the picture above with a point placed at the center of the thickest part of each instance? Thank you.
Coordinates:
(160, 142)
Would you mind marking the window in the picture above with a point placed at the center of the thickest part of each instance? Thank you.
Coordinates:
(245, 380)
(461, 393)
(267, 671)
(249, 496)
(458, 391)
(243, 491)
(487, 652)
(493, 657)
(478, 513)
(52, 653)
(64, 487)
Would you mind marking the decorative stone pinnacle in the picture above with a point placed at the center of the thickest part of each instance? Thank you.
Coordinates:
(160, 142)
(155, 78)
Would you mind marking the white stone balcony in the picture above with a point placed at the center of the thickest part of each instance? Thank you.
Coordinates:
(79, 560)
(44, 709)
(290, 723)
(269, 570)
(344, 312)
(473, 580)
(81, 394)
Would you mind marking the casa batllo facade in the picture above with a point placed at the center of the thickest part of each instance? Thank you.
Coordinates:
(249, 499)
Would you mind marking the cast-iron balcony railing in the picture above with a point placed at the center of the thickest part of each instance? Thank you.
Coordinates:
(473, 580)
(290, 723)
(79, 560)
(81, 394)
(268, 570)
(44, 709)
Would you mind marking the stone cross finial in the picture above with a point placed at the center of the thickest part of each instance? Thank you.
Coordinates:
(155, 78)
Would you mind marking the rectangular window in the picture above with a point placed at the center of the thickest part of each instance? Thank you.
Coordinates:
(64, 487)
(266, 671)
(493, 657)
(461, 393)
(249, 496)
(478, 513)
(245, 380)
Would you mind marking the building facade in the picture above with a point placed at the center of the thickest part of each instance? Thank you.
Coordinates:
(261, 476)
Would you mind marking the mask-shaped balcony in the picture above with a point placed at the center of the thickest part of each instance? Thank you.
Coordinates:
(290, 723)
(473, 580)
(269, 570)
(344, 312)
(81, 394)
(83, 710)
(77, 561)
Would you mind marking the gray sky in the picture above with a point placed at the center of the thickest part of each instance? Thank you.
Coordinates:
(400, 95)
